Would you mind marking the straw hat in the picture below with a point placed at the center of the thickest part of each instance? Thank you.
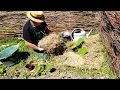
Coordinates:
(36, 16)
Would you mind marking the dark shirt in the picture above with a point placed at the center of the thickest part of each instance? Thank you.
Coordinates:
(30, 32)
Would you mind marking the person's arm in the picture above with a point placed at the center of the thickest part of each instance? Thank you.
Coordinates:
(30, 45)
(33, 46)
(48, 31)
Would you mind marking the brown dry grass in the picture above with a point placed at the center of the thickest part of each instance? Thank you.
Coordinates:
(52, 44)
(93, 59)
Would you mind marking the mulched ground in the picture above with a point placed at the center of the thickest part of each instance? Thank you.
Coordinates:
(59, 21)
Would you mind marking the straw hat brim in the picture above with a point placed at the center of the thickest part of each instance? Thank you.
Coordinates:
(34, 19)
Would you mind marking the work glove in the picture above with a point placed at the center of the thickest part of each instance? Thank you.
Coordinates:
(41, 49)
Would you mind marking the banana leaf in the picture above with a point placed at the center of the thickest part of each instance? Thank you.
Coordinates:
(4, 54)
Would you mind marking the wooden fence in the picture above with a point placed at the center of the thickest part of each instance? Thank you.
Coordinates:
(110, 32)
(12, 33)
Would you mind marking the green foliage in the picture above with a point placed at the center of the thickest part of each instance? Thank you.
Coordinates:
(105, 69)
(83, 50)
(1, 70)
(25, 75)
(9, 41)
(8, 51)
(78, 43)
(77, 47)
(50, 69)
(40, 69)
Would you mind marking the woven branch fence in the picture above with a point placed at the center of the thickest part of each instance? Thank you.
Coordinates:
(110, 33)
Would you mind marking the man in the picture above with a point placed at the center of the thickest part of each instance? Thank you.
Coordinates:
(35, 29)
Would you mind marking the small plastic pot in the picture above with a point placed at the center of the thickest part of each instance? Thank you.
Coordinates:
(30, 67)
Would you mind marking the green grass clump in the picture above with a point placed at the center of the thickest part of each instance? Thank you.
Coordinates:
(2, 70)
(50, 69)
(105, 68)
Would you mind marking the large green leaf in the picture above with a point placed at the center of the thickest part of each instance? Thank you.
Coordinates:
(80, 41)
(83, 50)
(8, 51)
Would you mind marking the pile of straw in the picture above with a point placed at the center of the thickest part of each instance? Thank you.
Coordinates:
(52, 44)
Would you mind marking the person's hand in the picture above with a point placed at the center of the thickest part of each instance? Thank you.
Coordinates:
(41, 49)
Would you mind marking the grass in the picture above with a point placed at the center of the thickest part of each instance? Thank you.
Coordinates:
(19, 70)
(105, 69)
(104, 72)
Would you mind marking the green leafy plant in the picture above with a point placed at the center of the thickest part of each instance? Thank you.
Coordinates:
(78, 43)
(77, 47)
(38, 70)
(50, 69)
(25, 75)
(1, 70)
(83, 50)
(42, 70)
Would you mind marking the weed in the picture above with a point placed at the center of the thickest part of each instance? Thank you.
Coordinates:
(25, 74)
(50, 69)
(77, 47)
(78, 43)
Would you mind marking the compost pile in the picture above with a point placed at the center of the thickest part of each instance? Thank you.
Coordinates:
(53, 44)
